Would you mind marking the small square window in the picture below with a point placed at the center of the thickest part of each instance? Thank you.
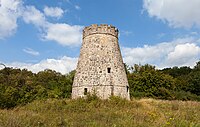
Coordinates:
(109, 70)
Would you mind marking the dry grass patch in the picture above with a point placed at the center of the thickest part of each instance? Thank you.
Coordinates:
(98, 113)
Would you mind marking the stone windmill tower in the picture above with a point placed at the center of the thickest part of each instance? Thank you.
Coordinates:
(100, 68)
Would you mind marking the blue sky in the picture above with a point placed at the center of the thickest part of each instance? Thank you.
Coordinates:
(47, 34)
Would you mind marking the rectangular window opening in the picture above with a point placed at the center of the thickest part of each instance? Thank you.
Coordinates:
(127, 88)
(85, 91)
(109, 70)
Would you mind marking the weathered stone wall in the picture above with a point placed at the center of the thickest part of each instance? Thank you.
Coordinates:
(100, 67)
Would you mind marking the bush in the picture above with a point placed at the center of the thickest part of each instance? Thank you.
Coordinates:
(182, 95)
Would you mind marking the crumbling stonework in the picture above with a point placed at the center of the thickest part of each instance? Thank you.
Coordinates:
(100, 68)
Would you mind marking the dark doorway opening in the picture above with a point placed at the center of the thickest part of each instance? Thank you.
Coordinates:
(85, 91)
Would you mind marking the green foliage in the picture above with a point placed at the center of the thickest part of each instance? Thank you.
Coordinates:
(91, 97)
(19, 87)
(197, 66)
(194, 82)
(169, 83)
(183, 95)
(176, 71)
(146, 81)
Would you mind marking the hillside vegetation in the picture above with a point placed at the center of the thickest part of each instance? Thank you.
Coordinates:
(92, 112)
(43, 100)
(19, 87)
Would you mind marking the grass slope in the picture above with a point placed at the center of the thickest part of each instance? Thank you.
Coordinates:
(93, 112)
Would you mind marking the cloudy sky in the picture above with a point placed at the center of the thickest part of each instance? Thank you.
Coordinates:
(47, 34)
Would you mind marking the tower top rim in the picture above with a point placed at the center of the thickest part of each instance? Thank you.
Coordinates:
(100, 29)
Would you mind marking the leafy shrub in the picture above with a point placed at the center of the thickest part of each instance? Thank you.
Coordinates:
(182, 95)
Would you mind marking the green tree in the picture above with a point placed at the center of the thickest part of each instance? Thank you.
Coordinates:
(146, 81)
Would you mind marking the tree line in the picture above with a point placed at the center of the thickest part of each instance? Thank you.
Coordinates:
(20, 86)
(176, 83)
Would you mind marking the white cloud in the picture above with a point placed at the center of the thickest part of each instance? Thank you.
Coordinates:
(31, 51)
(62, 65)
(10, 11)
(184, 53)
(34, 16)
(160, 35)
(53, 11)
(179, 52)
(126, 33)
(178, 13)
(64, 34)
(2, 65)
(77, 7)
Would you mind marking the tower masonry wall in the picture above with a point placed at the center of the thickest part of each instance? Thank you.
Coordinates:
(100, 68)
(100, 29)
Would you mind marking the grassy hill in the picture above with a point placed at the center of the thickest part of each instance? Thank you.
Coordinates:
(93, 112)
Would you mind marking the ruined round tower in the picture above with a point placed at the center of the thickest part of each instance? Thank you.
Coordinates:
(100, 68)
